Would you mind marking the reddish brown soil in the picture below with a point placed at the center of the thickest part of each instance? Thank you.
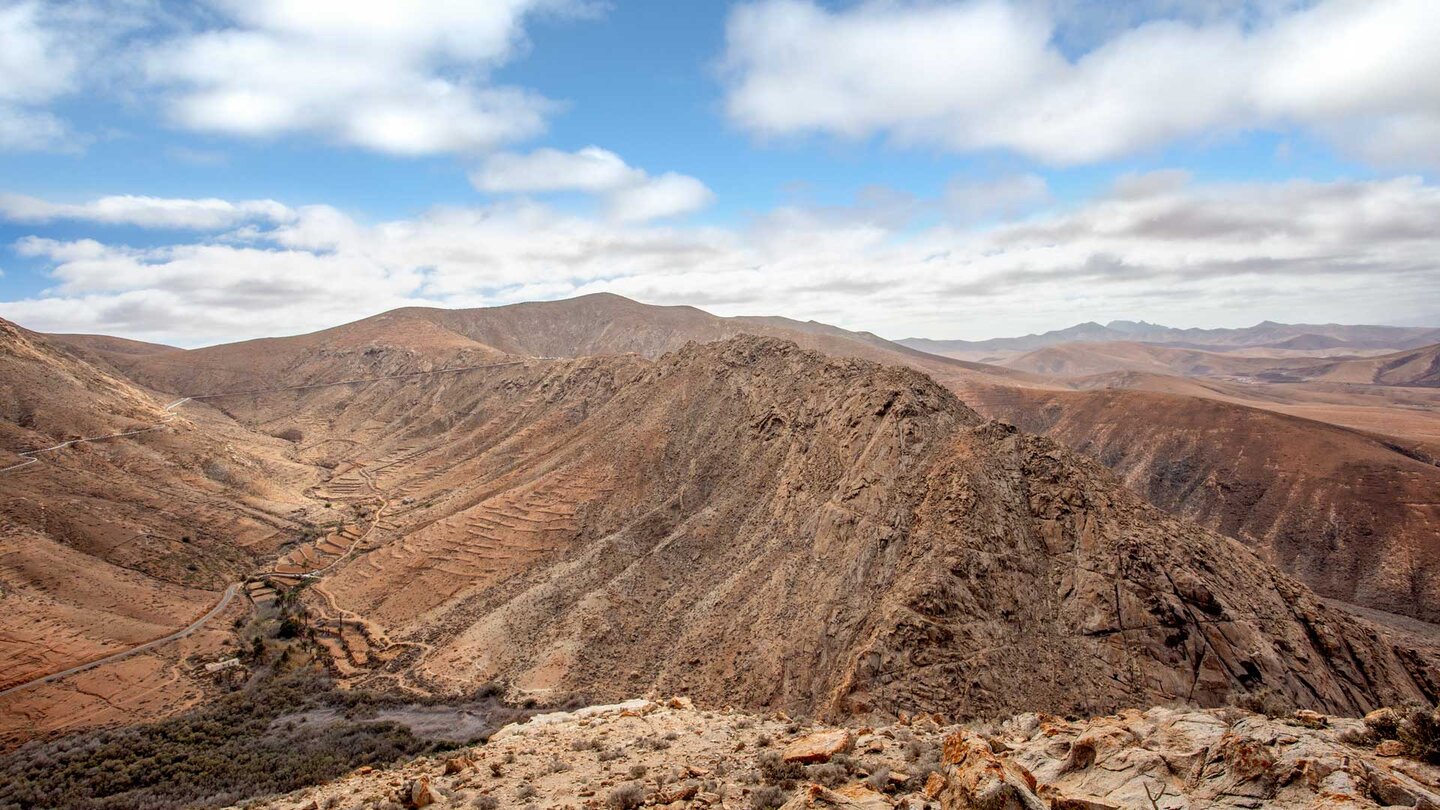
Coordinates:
(1356, 515)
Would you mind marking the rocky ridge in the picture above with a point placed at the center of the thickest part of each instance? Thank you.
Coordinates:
(757, 524)
(671, 754)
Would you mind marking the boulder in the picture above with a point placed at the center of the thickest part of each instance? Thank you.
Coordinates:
(1390, 748)
(976, 779)
(679, 792)
(817, 747)
(418, 794)
(1383, 722)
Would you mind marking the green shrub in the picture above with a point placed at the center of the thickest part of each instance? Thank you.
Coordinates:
(237, 747)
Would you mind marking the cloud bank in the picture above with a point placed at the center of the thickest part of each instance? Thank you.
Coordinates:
(986, 74)
(144, 212)
(406, 79)
(1156, 246)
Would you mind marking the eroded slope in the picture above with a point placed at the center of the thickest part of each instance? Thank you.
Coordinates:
(1357, 516)
(753, 523)
(106, 545)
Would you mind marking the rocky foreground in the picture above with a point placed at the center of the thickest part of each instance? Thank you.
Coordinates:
(643, 753)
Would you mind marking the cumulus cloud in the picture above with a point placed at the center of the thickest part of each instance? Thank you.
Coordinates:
(37, 65)
(1159, 246)
(592, 169)
(405, 79)
(987, 74)
(145, 212)
(668, 195)
(630, 194)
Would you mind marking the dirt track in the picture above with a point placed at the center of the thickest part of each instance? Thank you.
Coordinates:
(179, 634)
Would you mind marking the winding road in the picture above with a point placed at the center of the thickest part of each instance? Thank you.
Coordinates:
(31, 457)
(175, 636)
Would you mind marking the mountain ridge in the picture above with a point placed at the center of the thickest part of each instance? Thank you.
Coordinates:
(751, 522)
(1268, 334)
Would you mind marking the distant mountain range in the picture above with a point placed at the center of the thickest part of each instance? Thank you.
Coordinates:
(1267, 334)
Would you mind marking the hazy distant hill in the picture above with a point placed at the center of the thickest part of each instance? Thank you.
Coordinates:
(1267, 333)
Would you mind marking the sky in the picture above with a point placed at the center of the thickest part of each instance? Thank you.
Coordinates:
(200, 172)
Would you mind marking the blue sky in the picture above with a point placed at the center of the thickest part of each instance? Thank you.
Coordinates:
(945, 169)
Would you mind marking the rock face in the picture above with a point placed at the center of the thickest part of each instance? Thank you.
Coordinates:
(760, 525)
(1186, 759)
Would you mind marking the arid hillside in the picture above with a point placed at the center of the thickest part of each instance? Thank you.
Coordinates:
(110, 543)
(49, 396)
(1412, 367)
(1417, 367)
(753, 523)
(415, 340)
(745, 520)
(1354, 514)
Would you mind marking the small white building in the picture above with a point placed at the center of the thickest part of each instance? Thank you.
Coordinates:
(220, 666)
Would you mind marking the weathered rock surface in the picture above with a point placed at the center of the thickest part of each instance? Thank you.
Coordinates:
(689, 758)
(1217, 758)
(817, 747)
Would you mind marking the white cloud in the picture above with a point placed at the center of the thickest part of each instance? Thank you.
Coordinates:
(145, 212)
(989, 74)
(668, 195)
(36, 66)
(406, 79)
(27, 130)
(630, 194)
(1157, 246)
(592, 169)
(51, 50)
